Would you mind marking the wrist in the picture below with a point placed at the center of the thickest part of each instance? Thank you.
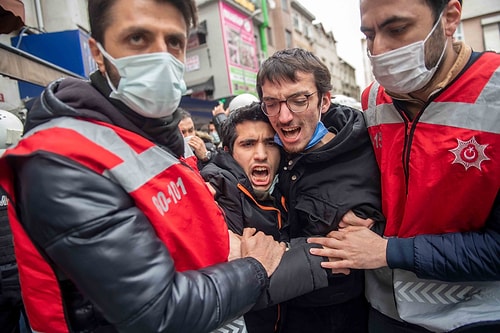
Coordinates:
(207, 156)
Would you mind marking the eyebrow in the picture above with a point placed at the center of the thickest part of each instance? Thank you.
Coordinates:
(388, 21)
(144, 31)
(300, 93)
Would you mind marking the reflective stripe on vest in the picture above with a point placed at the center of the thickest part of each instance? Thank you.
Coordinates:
(436, 305)
(159, 184)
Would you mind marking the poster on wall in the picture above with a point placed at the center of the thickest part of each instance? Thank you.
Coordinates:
(240, 49)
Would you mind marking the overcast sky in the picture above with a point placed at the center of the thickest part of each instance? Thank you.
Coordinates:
(342, 18)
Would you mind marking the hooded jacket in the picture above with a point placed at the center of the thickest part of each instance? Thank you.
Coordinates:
(235, 195)
(322, 185)
(299, 271)
(113, 271)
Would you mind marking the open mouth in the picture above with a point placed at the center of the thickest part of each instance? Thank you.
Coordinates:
(290, 132)
(260, 176)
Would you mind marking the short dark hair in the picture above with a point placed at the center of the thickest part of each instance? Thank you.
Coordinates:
(284, 65)
(251, 112)
(100, 15)
(183, 113)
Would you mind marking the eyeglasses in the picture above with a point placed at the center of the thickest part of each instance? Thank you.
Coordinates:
(295, 103)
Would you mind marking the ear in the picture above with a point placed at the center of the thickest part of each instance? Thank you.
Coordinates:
(452, 15)
(326, 100)
(97, 55)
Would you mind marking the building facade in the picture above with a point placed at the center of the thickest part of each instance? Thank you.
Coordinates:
(224, 52)
(480, 27)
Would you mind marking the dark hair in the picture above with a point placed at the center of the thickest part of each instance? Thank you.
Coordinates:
(251, 112)
(183, 113)
(284, 65)
(100, 15)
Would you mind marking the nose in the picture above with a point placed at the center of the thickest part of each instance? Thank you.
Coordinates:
(285, 115)
(378, 46)
(159, 45)
(260, 152)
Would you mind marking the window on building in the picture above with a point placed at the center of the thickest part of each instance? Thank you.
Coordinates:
(198, 36)
(307, 31)
(288, 39)
(459, 33)
(296, 21)
(270, 40)
(491, 33)
(284, 5)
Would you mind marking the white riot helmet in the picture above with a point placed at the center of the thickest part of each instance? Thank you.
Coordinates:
(11, 129)
(241, 101)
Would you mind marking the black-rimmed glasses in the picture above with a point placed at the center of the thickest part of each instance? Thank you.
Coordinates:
(295, 103)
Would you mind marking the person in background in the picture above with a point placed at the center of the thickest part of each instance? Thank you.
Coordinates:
(12, 315)
(434, 119)
(329, 173)
(113, 231)
(214, 134)
(201, 144)
(220, 114)
(244, 177)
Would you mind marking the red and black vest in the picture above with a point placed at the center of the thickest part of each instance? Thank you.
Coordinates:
(172, 195)
(441, 170)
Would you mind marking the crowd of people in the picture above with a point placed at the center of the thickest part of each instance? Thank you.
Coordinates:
(291, 214)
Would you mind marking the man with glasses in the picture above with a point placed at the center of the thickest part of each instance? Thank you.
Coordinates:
(329, 174)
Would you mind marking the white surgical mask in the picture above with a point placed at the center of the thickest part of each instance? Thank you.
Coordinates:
(151, 84)
(403, 70)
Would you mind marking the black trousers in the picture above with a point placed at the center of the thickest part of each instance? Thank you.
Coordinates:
(11, 303)
(348, 317)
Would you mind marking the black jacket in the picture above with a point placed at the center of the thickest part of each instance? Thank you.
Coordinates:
(236, 197)
(61, 203)
(299, 271)
(322, 185)
(6, 245)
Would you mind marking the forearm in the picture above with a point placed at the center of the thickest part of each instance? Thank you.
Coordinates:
(298, 273)
(472, 256)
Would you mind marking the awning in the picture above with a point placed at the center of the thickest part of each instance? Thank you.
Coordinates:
(199, 108)
(20, 65)
(203, 84)
(11, 16)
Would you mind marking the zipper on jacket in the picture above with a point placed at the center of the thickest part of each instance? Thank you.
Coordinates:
(410, 127)
(268, 208)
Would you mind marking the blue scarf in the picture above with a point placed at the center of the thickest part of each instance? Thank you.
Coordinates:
(319, 133)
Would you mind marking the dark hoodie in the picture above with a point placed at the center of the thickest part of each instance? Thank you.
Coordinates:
(241, 209)
(321, 186)
(298, 269)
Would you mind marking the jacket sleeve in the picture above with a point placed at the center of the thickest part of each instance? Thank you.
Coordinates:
(467, 256)
(218, 121)
(227, 195)
(298, 268)
(91, 230)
